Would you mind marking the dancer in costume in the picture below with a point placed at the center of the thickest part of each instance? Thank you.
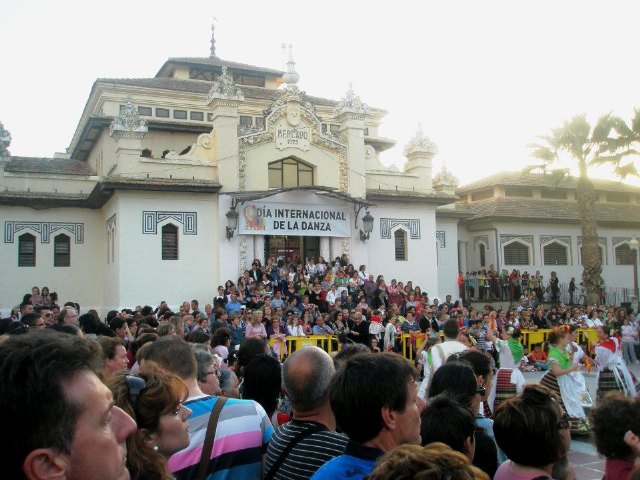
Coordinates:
(565, 379)
(509, 380)
(613, 373)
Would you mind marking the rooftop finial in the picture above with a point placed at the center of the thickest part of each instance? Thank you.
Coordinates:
(291, 77)
(5, 141)
(213, 39)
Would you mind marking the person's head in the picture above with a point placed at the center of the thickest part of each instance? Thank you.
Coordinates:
(451, 329)
(208, 371)
(115, 355)
(26, 307)
(33, 320)
(154, 401)
(480, 364)
(222, 336)
(59, 413)
(68, 315)
(611, 419)
(366, 408)
(305, 377)
(166, 329)
(602, 333)
(436, 461)
(458, 380)
(119, 326)
(199, 336)
(348, 351)
(262, 382)
(558, 338)
(445, 420)
(171, 354)
(229, 383)
(534, 417)
(250, 349)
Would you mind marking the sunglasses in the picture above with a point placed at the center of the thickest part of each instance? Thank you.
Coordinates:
(135, 386)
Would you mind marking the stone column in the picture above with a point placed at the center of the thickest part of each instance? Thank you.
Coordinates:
(258, 248)
(325, 248)
(128, 129)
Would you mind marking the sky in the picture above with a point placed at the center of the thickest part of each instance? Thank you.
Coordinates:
(483, 78)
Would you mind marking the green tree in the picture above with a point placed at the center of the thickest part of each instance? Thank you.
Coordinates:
(610, 141)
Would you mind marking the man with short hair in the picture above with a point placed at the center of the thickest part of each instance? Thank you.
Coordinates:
(33, 320)
(80, 434)
(25, 308)
(68, 315)
(441, 351)
(376, 416)
(46, 315)
(243, 432)
(233, 305)
(298, 448)
(359, 328)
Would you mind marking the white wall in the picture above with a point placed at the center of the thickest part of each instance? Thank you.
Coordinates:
(447, 259)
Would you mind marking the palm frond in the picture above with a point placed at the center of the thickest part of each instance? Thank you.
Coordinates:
(602, 128)
(624, 171)
(541, 167)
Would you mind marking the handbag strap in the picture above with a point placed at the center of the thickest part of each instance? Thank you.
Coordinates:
(297, 439)
(212, 426)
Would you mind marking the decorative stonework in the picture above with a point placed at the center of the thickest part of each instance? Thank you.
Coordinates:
(5, 141)
(242, 253)
(151, 219)
(369, 152)
(225, 90)
(345, 247)
(197, 154)
(129, 121)
(44, 229)
(563, 239)
(441, 238)
(111, 223)
(421, 144)
(616, 241)
(445, 181)
(388, 224)
(242, 167)
(351, 105)
(484, 239)
(526, 239)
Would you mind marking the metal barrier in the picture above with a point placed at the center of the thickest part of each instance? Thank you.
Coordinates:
(329, 343)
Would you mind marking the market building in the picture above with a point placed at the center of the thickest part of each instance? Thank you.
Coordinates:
(173, 184)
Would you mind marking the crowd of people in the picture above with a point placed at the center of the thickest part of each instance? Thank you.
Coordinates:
(219, 392)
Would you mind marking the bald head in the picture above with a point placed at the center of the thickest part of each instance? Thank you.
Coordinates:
(306, 376)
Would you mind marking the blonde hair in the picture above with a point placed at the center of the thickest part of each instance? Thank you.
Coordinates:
(436, 461)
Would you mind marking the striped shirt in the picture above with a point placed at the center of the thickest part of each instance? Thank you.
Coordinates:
(241, 439)
(308, 455)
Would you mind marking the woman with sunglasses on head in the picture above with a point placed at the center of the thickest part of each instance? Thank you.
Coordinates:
(154, 401)
(457, 378)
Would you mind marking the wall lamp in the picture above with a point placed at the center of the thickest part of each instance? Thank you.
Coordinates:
(232, 221)
(367, 225)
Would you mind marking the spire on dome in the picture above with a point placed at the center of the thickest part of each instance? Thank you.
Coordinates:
(5, 141)
(350, 103)
(213, 39)
(421, 143)
(445, 181)
(291, 77)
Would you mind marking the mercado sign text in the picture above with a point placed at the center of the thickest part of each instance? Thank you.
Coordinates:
(259, 218)
(294, 137)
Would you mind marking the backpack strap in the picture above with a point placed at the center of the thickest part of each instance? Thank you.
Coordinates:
(207, 447)
(297, 439)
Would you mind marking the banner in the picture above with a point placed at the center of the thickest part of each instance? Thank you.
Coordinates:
(260, 218)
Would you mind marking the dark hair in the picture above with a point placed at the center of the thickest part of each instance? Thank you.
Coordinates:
(172, 354)
(199, 336)
(117, 323)
(88, 323)
(262, 382)
(30, 319)
(33, 371)
(250, 349)
(555, 336)
(220, 337)
(357, 395)
(479, 362)
(457, 379)
(348, 352)
(451, 329)
(142, 340)
(162, 395)
(611, 419)
(109, 345)
(67, 328)
(447, 421)
(530, 419)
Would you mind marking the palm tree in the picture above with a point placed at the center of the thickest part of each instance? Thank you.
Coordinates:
(610, 141)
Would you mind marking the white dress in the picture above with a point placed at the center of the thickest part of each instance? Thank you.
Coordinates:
(607, 359)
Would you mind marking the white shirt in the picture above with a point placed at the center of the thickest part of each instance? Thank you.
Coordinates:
(441, 351)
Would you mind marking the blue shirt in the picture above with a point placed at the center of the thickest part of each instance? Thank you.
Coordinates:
(232, 307)
(356, 462)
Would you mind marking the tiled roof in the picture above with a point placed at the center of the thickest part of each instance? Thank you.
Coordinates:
(410, 196)
(540, 180)
(218, 62)
(203, 87)
(53, 166)
(511, 209)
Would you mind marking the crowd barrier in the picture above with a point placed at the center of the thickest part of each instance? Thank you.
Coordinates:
(411, 341)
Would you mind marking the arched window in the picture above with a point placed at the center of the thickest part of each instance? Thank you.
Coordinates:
(624, 255)
(26, 250)
(289, 173)
(516, 253)
(169, 242)
(62, 251)
(400, 239)
(483, 255)
(555, 253)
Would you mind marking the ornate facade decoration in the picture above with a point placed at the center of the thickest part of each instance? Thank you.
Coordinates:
(111, 223)
(345, 247)
(224, 89)
(129, 120)
(369, 152)
(441, 238)
(484, 239)
(5, 141)
(526, 239)
(44, 229)
(616, 241)
(188, 220)
(411, 224)
(242, 167)
(351, 104)
(445, 181)
(564, 239)
(420, 143)
(242, 253)
(197, 153)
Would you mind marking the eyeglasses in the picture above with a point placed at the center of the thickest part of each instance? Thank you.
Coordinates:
(215, 372)
(481, 391)
(564, 422)
(47, 315)
(135, 385)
